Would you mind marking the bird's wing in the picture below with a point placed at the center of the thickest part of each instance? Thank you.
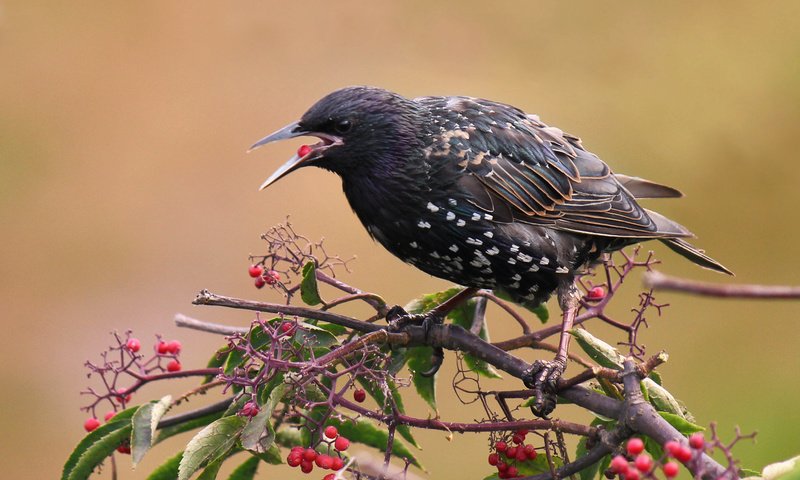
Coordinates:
(528, 172)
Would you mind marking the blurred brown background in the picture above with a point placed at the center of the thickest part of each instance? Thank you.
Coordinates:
(125, 187)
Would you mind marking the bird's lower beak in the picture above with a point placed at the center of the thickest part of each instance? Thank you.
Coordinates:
(303, 156)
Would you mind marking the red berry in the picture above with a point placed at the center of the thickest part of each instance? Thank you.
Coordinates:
(174, 347)
(126, 449)
(260, 282)
(672, 448)
(330, 476)
(670, 469)
(286, 327)
(619, 464)
(596, 294)
(512, 472)
(324, 461)
(272, 277)
(531, 452)
(338, 463)
(522, 432)
(500, 446)
(493, 459)
(643, 463)
(684, 454)
(341, 444)
(162, 348)
(331, 431)
(502, 467)
(294, 459)
(109, 415)
(309, 454)
(517, 438)
(502, 475)
(90, 424)
(511, 453)
(303, 151)
(359, 395)
(255, 270)
(250, 409)
(697, 441)
(632, 475)
(522, 455)
(174, 366)
(133, 345)
(635, 446)
(306, 466)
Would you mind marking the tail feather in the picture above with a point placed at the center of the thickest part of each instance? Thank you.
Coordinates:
(689, 251)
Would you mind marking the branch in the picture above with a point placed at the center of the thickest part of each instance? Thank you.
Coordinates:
(660, 281)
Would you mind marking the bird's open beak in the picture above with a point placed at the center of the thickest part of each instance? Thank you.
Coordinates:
(304, 155)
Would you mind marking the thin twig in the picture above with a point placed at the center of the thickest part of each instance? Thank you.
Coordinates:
(660, 281)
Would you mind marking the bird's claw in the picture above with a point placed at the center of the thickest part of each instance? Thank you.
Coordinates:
(543, 379)
(398, 320)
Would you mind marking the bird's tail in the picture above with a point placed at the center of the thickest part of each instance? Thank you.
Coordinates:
(689, 251)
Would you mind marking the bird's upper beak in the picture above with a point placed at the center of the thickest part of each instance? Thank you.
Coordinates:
(304, 155)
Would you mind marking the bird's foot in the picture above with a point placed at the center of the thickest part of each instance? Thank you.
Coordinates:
(543, 378)
(398, 320)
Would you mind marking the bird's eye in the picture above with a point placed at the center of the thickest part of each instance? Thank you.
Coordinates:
(343, 126)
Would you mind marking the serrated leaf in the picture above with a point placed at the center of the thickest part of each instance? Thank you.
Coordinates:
(419, 361)
(167, 470)
(93, 448)
(186, 426)
(599, 351)
(212, 469)
(145, 421)
(210, 443)
(463, 316)
(246, 471)
(681, 424)
(271, 456)
(309, 290)
(366, 432)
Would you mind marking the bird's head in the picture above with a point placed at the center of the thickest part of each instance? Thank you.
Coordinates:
(358, 128)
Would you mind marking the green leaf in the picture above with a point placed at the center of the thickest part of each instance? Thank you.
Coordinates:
(289, 437)
(463, 316)
(216, 361)
(364, 431)
(271, 456)
(309, 290)
(598, 350)
(786, 470)
(246, 471)
(258, 435)
(681, 424)
(419, 361)
(212, 469)
(604, 463)
(313, 335)
(431, 300)
(591, 471)
(167, 470)
(173, 430)
(209, 444)
(662, 399)
(145, 421)
(376, 392)
(97, 445)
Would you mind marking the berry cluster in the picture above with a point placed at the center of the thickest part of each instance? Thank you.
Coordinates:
(643, 464)
(263, 277)
(508, 457)
(169, 348)
(305, 458)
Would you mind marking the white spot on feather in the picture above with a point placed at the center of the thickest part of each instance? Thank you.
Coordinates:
(423, 224)
(450, 216)
(433, 208)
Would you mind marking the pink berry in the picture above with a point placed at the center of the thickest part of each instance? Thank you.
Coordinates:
(174, 347)
(90, 424)
(306, 466)
(359, 395)
(286, 327)
(255, 271)
(619, 465)
(670, 469)
(632, 475)
(162, 348)
(511, 453)
(260, 282)
(126, 449)
(174, 366)
(672, 448)
(109, 415)
(133, 345)
(643, 463)
(493, 459)
(272, 277)
(331, 431)
(330, 476)
(303, 151)
(341, 444)
(531, 452)
(512, 472)
(250, 409)
(684, 454)
(338, 463)
(596, 294)
(500, 446)
(324, 461)
(697, 441)
(294, 459)
(521, 455)
(635, 446)
(309, 454)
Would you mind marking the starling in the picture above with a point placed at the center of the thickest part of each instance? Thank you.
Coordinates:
(481, 194)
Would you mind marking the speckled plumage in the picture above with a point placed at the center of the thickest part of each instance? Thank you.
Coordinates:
(478, 192)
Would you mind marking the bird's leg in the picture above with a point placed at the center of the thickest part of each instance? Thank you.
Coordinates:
(544, 375)
(399, 319)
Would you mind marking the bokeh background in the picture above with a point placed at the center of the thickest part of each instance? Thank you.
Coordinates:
(125, 187)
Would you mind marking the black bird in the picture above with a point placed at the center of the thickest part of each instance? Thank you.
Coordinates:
(481, 194)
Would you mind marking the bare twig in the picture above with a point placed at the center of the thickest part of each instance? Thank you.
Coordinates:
(659, 281)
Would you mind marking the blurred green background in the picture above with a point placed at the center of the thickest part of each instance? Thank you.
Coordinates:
(125, 187)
